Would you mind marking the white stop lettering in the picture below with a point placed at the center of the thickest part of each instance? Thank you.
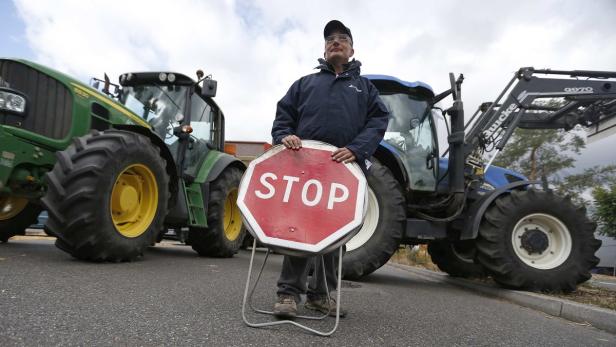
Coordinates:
(337, 192)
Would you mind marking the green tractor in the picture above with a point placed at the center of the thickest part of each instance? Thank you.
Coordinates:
(116, 170)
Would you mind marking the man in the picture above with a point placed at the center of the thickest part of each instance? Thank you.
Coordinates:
(337, 106)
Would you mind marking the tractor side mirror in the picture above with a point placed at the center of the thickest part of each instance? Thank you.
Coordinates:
(208, 89)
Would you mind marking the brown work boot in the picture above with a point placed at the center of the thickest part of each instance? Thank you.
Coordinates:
(285, 307)
(321, 304)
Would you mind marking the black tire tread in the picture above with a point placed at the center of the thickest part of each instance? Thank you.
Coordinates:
(212, 242)
(76, 206)
(19, 223)
(377, 251)
(444, 256)
(494, 245)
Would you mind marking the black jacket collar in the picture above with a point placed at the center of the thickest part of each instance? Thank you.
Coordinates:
(352, 67)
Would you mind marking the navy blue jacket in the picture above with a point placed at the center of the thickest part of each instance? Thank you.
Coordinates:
(343, 110)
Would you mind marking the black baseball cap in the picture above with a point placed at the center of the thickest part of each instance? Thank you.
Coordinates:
(336, 25)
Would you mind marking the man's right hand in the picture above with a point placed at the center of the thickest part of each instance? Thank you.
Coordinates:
(292, 142)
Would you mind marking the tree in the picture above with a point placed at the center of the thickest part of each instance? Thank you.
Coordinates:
(540, 153)
(605, 213)
(576, 185)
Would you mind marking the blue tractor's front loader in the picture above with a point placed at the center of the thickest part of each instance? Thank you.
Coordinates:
(479, 219)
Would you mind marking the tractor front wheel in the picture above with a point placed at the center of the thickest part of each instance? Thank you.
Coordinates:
(16, 214)
(107, 196)
(536, 240)
(225, 231)
(380, 235)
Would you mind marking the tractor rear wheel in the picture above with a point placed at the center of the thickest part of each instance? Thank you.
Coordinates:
(225, 231)
(16, 214)
(457, 258)
(536, 240)
(107, 196)
(380, 235)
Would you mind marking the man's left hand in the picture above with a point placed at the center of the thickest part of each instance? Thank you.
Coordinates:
(343, 155)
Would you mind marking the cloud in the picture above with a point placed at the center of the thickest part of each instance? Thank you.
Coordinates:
(256, 49)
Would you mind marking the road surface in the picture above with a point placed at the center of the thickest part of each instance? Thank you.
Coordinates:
(174, 297)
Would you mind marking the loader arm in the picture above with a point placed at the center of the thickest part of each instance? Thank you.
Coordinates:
(561, 100)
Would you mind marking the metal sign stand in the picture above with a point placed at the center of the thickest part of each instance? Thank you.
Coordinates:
(248, 297)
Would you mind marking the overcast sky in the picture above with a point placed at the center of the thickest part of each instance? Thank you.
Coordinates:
(256, 49)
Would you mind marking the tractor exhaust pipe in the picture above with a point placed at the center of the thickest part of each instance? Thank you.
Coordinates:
(456, 139)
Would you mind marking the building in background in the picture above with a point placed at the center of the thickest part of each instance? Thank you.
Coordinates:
(607, 255)
(246, 151)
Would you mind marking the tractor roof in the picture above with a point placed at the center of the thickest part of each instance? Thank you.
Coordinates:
(390, 84)
(158, 77)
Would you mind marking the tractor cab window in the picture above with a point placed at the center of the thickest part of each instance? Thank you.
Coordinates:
(162, 106)
(201, 119)
(201, 116)
(411, 132)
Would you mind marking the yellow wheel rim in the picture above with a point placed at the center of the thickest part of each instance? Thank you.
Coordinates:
(232, 220)
(11, 207)
(134, 200)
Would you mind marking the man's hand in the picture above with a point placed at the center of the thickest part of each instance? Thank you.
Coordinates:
(343, 155)
(292, 142)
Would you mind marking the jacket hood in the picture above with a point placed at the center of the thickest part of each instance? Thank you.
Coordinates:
(353, 66)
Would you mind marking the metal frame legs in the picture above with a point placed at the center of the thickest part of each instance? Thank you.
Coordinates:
(248, 298)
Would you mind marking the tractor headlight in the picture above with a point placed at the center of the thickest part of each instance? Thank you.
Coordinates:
(12, 102)
(162, 77)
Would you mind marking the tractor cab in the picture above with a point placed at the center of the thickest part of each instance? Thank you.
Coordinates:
(176, 107)
(411, 134)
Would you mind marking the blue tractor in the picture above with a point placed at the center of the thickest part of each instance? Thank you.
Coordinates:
(479, 219)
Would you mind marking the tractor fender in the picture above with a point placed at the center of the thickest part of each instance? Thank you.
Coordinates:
(212, 166)
(164, 152)
(476, 211)
(389, 157)
(222, 162)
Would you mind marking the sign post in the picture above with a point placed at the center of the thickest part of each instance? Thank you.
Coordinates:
(301, 203)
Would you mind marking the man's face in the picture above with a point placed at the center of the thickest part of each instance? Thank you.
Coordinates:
(338, 48)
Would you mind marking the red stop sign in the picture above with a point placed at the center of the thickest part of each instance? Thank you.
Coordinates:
(302, 200)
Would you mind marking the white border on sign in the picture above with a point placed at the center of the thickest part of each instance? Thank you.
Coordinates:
(360, 205)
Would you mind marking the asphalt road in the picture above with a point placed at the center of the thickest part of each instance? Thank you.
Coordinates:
(173, 297)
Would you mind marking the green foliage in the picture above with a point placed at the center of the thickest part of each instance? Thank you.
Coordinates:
(537, 153)
(592, 178)
(414, 256)
(605, 213)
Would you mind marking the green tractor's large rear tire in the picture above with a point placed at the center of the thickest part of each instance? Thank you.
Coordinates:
(225, 231)
(383, 227)
(16, 214)
(107, 196)
(537, 240)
